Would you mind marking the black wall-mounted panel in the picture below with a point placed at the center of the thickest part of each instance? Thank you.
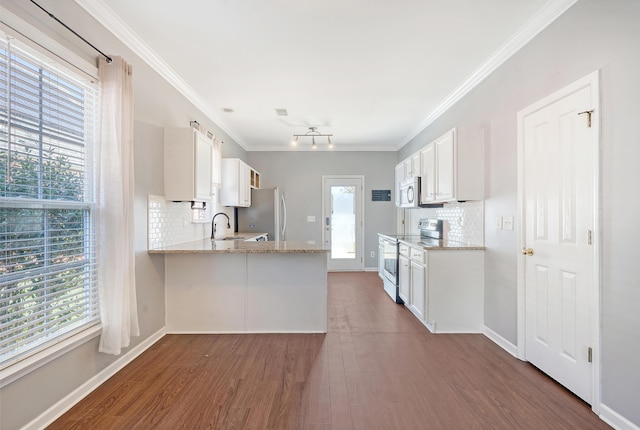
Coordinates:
(380, 195)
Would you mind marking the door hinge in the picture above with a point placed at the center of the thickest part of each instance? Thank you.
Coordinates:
(589, 237)
(590, 355)
(588, 112)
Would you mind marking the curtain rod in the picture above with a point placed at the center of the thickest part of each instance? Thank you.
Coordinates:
(109, 60)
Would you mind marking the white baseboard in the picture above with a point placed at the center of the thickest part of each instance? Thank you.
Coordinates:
(501, 341)
(616, 420)
(371, 269)
(67, 402)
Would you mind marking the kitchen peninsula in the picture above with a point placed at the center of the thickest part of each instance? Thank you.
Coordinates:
(233, 286)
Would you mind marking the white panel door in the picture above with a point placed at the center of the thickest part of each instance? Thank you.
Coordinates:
(559, 198)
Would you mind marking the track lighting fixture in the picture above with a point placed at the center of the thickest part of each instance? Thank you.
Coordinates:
(313, 133)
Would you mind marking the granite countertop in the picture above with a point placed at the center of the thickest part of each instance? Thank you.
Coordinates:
(208, 246)
(445, 244)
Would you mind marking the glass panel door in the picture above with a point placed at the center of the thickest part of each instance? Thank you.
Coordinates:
(343, 221)
(342, 207)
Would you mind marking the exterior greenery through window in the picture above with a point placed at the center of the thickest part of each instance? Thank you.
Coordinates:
(48, 281)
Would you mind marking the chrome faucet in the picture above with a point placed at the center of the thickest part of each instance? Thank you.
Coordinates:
(213, 224)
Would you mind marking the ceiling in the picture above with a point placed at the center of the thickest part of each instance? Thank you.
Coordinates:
(373, 73)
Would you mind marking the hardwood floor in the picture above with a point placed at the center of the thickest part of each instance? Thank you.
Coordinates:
(376, 368)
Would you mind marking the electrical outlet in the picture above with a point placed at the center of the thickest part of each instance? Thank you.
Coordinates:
(373, 254)
(498, 223)
(311, 218)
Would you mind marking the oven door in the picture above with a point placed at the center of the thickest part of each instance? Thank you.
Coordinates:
(390, 253)
(391, 262)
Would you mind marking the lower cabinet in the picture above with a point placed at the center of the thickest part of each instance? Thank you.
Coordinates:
(418, 297)
(444, 288)
(404, 278)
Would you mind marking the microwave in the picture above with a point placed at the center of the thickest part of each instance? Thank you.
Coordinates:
(410, 193)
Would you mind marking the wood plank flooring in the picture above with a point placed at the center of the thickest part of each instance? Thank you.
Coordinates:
(376, 368)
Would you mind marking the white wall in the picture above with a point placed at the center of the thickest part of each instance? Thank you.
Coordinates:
(157, 105)
(593, 34)
(299, 175)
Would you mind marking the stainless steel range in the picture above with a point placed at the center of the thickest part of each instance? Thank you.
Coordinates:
(388, 265)
(431, 234)
(431, 231)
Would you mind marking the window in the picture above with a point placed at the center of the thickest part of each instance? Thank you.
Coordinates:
(48, 279)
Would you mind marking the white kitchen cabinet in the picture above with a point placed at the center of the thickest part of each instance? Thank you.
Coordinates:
(455, 291)
(453, 167)
(417, 295)
(412, 166)
(236, 183)
(187, 165)
(428, 174)
(444, 288)
(404, 278)
(254, 179)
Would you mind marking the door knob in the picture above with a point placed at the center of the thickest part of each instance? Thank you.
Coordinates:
(527, 251)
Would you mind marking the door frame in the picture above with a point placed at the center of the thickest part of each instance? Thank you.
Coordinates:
(591, 81)
(362, 201)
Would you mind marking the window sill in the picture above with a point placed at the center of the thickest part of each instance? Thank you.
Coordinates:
(16, 371)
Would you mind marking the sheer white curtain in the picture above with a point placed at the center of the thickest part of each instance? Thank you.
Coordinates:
(116, 252)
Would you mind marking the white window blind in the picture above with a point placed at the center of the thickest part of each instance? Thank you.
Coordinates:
(48, 279)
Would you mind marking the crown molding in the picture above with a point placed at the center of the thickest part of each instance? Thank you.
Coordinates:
(112, 22)
(549, 13)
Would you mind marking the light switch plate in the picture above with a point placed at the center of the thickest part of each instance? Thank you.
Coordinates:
(311, 218)
(498, 223)
(507, 223)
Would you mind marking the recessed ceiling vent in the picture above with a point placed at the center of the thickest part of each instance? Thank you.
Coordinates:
(281, 112)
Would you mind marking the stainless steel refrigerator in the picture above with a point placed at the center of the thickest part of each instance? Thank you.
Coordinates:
(268, 214)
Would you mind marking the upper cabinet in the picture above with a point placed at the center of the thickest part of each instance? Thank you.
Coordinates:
(453, 167)
(427, 176)
(254, 179)
(412, 166)
(188, 155)
(238, 178)
(408, 168)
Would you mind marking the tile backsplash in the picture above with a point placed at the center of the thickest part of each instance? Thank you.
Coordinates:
(169, 223)
(464, 221)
